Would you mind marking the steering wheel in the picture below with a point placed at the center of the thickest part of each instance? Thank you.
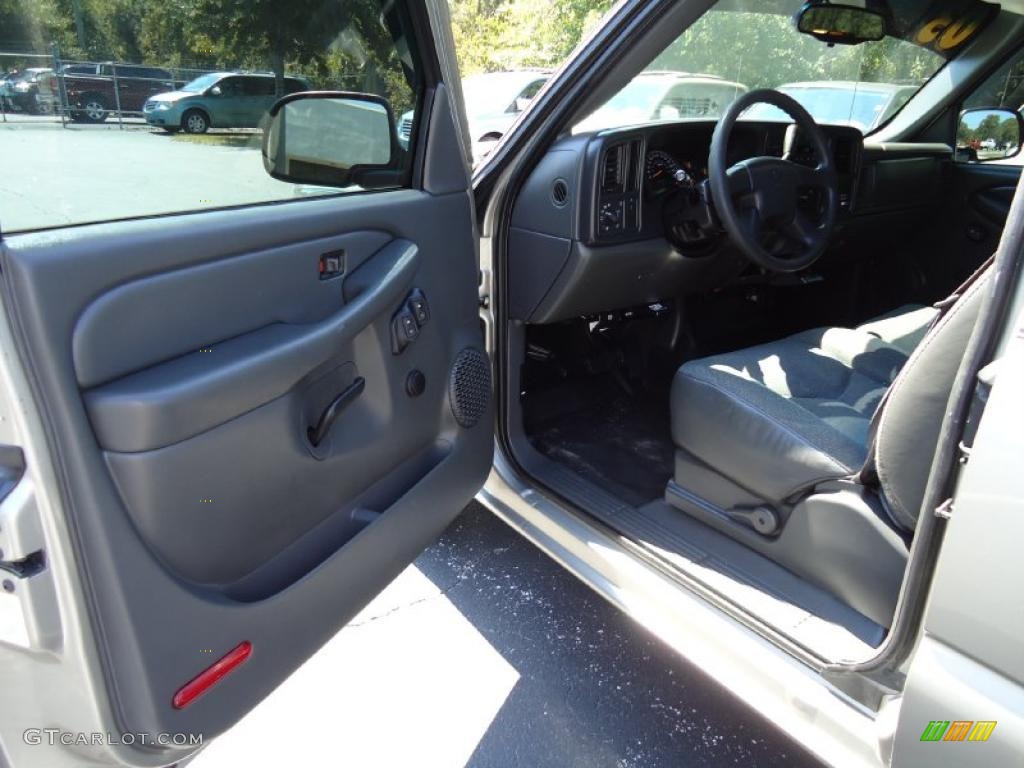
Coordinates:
(757, 199)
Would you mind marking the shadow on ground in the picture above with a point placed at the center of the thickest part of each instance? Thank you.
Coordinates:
(594, 689)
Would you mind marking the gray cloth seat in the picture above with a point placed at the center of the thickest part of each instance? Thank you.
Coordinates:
(903, 327)
(778, 418)
(773, 444)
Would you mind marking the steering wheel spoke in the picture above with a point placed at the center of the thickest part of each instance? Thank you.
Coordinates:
(812, 178)
(751, 221)
(801, 230)
(739, 181)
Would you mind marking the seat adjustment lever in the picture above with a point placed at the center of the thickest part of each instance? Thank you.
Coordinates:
(318, 432)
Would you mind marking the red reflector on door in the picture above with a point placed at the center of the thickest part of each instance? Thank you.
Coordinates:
(212, 675)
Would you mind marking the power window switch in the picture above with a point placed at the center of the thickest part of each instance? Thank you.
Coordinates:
(417, 304)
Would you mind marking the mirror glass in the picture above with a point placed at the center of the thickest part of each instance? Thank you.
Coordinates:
(320, 140)
(842, 24)
(988, 134)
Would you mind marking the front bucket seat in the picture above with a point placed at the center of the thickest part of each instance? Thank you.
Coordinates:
(758, 431)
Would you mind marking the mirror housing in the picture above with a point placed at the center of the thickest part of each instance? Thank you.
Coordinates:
(987, 134)
(333, 139)
(840, 24)
(215, 90)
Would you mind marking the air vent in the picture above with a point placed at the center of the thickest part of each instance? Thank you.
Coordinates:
(559, 192)
(636, 165)
(613, 172)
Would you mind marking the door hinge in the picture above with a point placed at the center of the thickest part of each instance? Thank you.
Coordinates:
(945, 509)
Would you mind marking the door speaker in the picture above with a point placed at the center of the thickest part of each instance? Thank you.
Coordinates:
(469, 386)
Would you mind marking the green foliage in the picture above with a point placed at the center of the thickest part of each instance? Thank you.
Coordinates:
(512, 34)
(763, 50)
(1004, 129)
(333, 43)
(346, 43)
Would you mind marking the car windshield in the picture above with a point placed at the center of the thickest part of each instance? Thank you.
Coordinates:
(848, 104)
(493, 92)
(755, 44)
(200, 84)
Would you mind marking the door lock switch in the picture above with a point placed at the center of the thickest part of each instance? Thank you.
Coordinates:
(404, 330)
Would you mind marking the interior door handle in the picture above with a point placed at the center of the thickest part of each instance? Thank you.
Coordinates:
(318, 432)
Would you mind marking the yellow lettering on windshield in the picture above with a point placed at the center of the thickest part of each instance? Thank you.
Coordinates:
(957, 34)
(930, 30)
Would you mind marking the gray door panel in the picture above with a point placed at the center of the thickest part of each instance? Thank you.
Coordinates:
(179, 362)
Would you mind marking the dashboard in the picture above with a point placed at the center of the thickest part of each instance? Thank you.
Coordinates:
(638, 173)
(611, 220)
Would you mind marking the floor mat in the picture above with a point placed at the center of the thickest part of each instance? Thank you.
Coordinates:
(618, 441)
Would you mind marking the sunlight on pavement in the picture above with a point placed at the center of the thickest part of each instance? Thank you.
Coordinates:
(409, 682)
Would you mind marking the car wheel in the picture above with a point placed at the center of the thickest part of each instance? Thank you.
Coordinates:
(194, 121)
(93, 109)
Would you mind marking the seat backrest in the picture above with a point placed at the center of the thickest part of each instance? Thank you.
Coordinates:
(911, 419)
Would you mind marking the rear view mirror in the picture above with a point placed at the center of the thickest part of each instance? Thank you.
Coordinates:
(840, 24)
(329, 138)
(988, 134)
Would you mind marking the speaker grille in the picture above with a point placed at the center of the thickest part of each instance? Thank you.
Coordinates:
(469, 386)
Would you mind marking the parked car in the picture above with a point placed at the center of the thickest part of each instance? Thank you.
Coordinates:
(31, 90)
(493, 102)
(664, 95)
(91, 93)
(860, 105)
(219, 99)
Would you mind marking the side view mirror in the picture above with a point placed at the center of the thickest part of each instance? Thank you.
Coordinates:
(840, 24)
(332, 138)
(520, 104)
(215, 91)
(989, 134)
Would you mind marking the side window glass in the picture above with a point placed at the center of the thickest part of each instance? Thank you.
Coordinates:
(259, 86)
(133, 150)
(231, 87)
(989, 129)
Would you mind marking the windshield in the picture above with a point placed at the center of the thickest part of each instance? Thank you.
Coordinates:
(848, 104)
(755, 44)
(494, 92)
(200, 84)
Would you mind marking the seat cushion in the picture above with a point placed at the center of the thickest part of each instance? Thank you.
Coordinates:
(780, 417)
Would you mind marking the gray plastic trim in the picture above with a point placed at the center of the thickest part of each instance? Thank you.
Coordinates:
(178, 399)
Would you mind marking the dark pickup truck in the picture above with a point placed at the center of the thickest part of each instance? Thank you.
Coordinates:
(90, 88)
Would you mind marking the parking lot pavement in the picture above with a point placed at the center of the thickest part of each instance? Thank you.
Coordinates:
(52, 175)
(486, 653)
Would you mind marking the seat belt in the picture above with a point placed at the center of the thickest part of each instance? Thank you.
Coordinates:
(867, 474)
